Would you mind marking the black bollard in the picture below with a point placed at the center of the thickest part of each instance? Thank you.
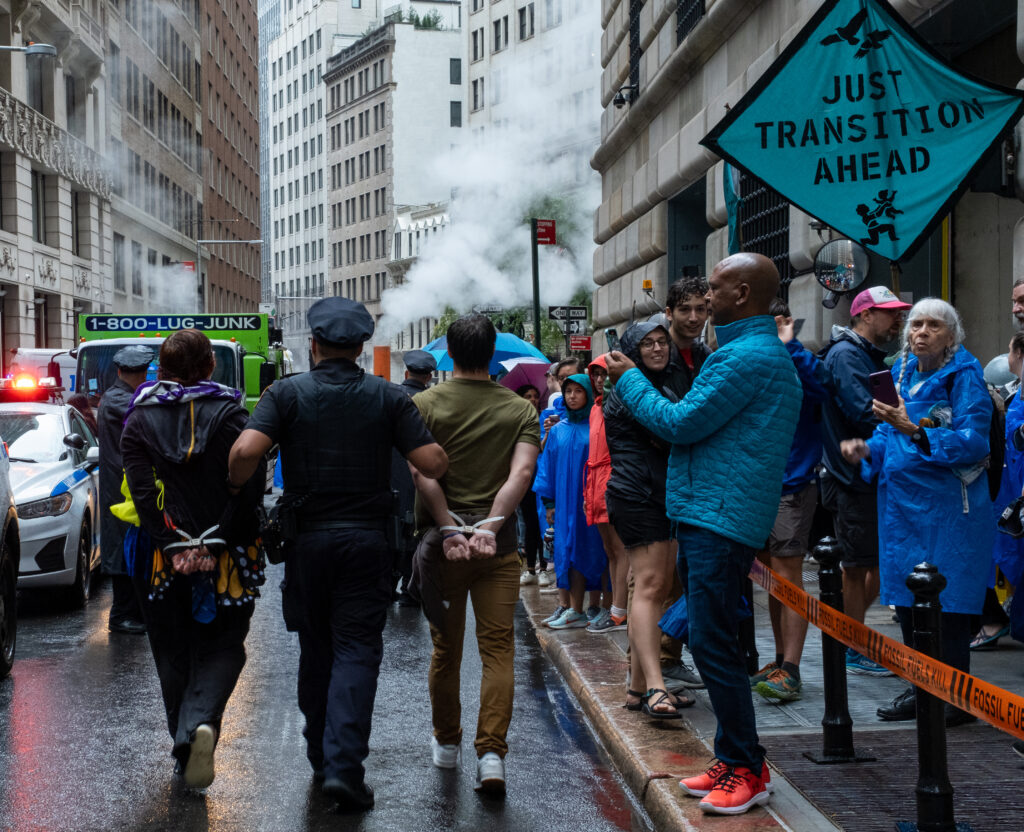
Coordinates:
(837, 727)
(934, 792)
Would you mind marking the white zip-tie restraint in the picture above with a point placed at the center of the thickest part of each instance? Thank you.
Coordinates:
(196, 542)
(467, 530)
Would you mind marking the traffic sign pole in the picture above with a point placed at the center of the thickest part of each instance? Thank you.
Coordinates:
(536, 286)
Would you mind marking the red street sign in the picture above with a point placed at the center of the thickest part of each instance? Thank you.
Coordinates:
(189, 265)
(545, 232)
(579, 343)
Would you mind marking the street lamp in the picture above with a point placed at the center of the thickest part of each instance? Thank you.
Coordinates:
(38, 49)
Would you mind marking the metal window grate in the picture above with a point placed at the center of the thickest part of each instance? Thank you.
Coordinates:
(688, 15)
(634, 45)
(764, 224)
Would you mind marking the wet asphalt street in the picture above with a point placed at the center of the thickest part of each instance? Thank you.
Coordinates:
(84, 744)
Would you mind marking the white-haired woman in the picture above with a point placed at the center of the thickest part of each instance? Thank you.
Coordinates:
(929, 456)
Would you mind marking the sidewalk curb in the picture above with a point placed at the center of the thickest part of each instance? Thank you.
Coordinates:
(650, 756)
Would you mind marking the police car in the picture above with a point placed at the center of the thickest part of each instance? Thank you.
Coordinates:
(9, 554)
(53, 457)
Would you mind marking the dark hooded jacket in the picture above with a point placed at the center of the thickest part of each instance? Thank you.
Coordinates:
(848, 359)
(639, 458)
(186, 446)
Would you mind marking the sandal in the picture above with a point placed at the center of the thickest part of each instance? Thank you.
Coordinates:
(634, 707)
(988, 642)
(655, 698)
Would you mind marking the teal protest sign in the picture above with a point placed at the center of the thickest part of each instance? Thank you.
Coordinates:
(861, 125)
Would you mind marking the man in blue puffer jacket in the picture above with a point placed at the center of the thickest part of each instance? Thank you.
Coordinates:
(730, 438)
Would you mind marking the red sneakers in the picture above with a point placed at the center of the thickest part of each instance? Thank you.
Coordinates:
(701, 784)
(736, 791)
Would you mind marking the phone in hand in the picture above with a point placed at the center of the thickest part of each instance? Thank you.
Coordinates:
(612, 339)
(883, 389)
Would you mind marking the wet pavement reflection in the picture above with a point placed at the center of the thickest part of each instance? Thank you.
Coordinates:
(84, 744)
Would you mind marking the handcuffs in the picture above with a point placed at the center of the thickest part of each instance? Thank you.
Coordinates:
(466, 530)
(196, 542)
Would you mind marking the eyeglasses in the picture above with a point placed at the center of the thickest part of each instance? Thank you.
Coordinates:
(649, 344)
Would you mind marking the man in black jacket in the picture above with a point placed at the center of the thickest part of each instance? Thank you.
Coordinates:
(853, 354)
(132, 364)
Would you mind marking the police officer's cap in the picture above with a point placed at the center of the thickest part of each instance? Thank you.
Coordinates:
(420, 362)
(340, 322)
(133, 359)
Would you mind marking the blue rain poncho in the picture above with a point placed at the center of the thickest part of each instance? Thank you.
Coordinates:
(560, 474)
(935, 507)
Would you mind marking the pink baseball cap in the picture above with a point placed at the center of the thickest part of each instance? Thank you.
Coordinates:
(877, 297)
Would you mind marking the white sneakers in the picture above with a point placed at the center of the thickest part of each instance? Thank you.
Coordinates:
(199, 768)
(527, 578)
(490, 768)
(545, 579)
(445, 756)
(490, 774)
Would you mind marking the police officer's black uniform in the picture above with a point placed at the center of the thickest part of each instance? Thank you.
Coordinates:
(419, 363)
(125, 612)
(336, 427)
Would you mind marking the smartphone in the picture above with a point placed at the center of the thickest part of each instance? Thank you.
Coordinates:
(883, 389)
(798, 324)
(611, 337)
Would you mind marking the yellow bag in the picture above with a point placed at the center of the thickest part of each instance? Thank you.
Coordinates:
(126, 511)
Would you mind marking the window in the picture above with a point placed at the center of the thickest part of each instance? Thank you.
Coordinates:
(526, 22)
(79, 229)
(478, 44)
(119, 284)
(688, 15)
(478, 94)
(38, 207)
(455, 115)
(764, 222)
(136, 268)
(554, 12)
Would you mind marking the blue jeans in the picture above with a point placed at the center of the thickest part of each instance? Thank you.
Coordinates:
(713, 570)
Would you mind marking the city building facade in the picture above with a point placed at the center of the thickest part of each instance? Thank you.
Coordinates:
(299, 42)
(670, 72)
(231, 141)
(155, 151)
(55, 185)
(394, 104)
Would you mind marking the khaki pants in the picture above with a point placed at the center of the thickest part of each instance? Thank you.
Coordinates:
(493, 586)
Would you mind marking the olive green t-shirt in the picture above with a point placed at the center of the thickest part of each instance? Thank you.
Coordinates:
(478, 423)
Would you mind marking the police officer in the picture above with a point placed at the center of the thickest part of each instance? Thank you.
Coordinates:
(336, 427)
(419, 369)
(132, 364)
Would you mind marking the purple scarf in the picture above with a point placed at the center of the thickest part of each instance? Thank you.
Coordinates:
(173, 392)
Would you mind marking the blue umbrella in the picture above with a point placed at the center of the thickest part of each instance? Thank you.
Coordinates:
(508, 346)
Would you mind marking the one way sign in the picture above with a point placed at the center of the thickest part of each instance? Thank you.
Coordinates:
(567, 313)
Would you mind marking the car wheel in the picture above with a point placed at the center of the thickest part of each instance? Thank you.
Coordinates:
(78, 592)
(8, 609)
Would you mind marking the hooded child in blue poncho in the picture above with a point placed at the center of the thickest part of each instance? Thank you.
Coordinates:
(580, 560)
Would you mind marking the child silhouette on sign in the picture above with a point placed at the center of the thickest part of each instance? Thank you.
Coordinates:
(870, 217)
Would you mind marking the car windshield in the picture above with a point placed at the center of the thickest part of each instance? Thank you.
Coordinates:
(96, 370)
(33, 437)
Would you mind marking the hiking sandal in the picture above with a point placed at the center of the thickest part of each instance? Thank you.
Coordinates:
(639, 705)
(658, 698)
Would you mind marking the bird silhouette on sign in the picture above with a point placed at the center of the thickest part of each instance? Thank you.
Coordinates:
(872, 40)
(847, 32)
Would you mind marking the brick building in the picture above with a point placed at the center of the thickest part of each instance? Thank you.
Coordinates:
(231, 141)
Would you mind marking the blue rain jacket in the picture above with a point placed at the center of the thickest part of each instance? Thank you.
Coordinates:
(1008, 552)
(805, 455)
(926, 512)
(730, 435)
(560, 473)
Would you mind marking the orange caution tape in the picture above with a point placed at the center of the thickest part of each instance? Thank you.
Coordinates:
(999, 707)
